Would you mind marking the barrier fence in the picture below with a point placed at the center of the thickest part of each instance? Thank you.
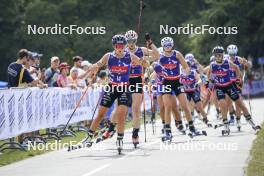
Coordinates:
(31, 109)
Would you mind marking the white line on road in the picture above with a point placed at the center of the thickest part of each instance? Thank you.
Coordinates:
(96, 170)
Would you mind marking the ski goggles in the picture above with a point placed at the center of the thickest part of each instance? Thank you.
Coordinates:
(119, 46)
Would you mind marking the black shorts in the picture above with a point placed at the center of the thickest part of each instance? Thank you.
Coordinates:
(195, 96)
(123, 97)
(239, 90)
(172, 87)
(230, 90)
(135, 85)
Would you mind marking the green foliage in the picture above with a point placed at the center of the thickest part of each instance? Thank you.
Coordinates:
(120, 16)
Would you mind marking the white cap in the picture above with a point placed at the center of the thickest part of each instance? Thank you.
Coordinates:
(86, 63)
(54, 58)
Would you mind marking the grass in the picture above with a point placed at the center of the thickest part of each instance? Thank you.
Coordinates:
(256, 164)
(11, 156)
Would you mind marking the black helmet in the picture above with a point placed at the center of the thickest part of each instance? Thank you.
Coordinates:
(119, 39)
(218, 50)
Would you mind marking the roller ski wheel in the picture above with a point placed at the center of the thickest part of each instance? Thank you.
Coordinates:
(257, 128)
(225, 132)
(135, 141)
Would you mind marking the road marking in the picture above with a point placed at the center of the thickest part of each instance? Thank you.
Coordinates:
(96, 170)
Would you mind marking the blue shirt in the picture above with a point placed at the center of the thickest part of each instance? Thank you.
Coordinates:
(13, 73)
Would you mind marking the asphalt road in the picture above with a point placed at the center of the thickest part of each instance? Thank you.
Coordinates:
(200, 156)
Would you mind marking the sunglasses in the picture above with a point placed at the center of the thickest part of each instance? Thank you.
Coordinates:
(167, 46)
(218, 55)
(132, 41)
(119, 46)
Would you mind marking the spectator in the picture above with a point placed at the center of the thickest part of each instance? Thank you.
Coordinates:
(62, 79)
(82, 75)
(18, 76)
(42, 74)
(102, 78)
(85, 66)
(73, 79)
(52, 72)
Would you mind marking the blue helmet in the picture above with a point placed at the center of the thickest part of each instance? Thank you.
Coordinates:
(119, 39)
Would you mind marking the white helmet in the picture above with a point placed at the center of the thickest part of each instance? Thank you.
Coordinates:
(167, 42)
(189, 56)
(131, 35)
(232, 50)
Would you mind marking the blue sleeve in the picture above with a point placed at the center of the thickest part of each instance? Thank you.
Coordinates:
(26, 77)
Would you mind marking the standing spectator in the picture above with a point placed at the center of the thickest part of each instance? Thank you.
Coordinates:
(17, 74)
(85, 66)
(52, 72)
(82, 75)
(62, 79)
(73, 79)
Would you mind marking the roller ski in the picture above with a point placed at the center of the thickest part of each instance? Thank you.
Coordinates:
(119, 145)
(218, 125)
(87, 142)
(255, 127)
(226, 130)
(192, 134)
(167, 138)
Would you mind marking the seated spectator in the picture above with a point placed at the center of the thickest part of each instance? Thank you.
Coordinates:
(85, 66)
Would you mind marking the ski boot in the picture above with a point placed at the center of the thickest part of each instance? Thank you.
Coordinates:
(205, 120)
(194, 132)
(167, 138)
(181, 129)
(226, 130)
(232, 118)
(106, 135)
